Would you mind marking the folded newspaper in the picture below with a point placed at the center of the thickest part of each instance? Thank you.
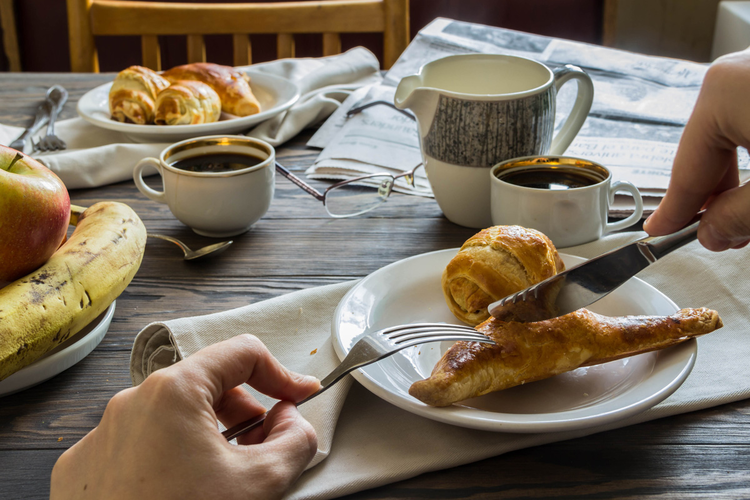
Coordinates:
(641, 105)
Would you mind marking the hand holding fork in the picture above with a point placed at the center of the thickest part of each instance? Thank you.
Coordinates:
(374, 347)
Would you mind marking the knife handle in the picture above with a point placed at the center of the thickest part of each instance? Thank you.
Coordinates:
(657, 247)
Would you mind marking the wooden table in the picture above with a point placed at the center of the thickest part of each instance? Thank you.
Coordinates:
(296, 245)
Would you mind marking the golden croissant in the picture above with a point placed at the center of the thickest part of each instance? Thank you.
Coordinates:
(526, 352)
(187, 103)
(232, 86)
(133, 95)
(494, 263)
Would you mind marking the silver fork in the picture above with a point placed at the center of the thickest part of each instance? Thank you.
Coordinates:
(40, 119)
(374, 347)
(57, 97)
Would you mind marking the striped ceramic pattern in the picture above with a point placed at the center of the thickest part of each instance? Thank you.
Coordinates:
(484, 133)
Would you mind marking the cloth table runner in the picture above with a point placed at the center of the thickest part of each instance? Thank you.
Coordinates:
(364, 442)
(97, 156)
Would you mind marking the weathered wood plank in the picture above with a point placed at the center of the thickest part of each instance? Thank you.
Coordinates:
(697, 455)
(638, 470)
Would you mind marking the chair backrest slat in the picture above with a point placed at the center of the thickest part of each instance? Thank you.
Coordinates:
(331, 44)
(89, 18)
(83, 55)
(284, 45)
(10, 35)
(243, 52)
(395, 34)
(151, 52)
(116, 17)
(196, 48)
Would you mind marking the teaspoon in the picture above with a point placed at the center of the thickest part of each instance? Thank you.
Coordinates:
(194, 254)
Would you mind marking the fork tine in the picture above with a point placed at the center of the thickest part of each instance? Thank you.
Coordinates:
(424, 337)
(400, 330)
(441, 338)
(424, 333)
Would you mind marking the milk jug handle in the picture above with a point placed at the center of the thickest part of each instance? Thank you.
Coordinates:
(580, 110)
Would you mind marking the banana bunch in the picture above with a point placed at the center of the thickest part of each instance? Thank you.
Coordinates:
(79, 281)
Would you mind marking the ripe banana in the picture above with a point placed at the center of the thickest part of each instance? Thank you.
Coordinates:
(79, 281)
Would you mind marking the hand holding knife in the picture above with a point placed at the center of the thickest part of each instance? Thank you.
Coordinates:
(590, 281)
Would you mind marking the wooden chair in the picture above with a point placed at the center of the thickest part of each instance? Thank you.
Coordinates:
(89, 18)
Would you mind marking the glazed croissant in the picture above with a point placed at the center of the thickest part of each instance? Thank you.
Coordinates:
(493, 264)
(133, 95)
(232, 86)
(187, 103)
(525, 352)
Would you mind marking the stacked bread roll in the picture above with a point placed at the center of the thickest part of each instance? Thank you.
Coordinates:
(184, 95)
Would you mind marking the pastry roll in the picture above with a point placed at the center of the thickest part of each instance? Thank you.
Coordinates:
(493, 264)
(525, 352)
(187, 103)
(133, 95)
(232, 86)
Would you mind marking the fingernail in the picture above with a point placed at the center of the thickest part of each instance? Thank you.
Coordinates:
(645, 222)
(712, 239)
(309, 379)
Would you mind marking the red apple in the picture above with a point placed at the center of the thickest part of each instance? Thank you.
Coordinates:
(34, 214)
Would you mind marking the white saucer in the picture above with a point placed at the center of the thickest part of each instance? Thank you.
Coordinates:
(409, 291)
(274, 93)
(61, 357)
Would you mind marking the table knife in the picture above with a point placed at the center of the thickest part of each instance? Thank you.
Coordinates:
(589, 281)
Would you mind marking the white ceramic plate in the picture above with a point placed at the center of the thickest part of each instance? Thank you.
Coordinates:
(61, 357)
(409, 291)
(274, 93)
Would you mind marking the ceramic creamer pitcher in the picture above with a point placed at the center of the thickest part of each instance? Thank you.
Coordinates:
(476, 110)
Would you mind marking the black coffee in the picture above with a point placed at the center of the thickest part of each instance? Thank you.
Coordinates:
(558, 179)
(219, 162)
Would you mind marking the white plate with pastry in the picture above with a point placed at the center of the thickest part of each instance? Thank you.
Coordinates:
(410, 291)
(61, 357)
(272, 93)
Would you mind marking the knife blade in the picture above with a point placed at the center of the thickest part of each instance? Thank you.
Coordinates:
(589, 281)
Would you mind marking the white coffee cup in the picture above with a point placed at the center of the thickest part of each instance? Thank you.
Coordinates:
(476, 110)
(215, 204)
(566, 198)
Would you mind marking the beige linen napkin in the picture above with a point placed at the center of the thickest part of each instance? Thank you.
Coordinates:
(324, 84)
(96, 156)
(375, 443)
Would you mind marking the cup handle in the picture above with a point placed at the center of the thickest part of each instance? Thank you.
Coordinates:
(637, 213)
(580, 109)
(141, 185)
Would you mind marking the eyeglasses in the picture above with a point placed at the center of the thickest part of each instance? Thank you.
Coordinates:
(353, 196)
(358, 195)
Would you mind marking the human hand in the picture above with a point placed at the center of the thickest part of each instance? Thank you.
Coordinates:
(160, 439)
(705, 171)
